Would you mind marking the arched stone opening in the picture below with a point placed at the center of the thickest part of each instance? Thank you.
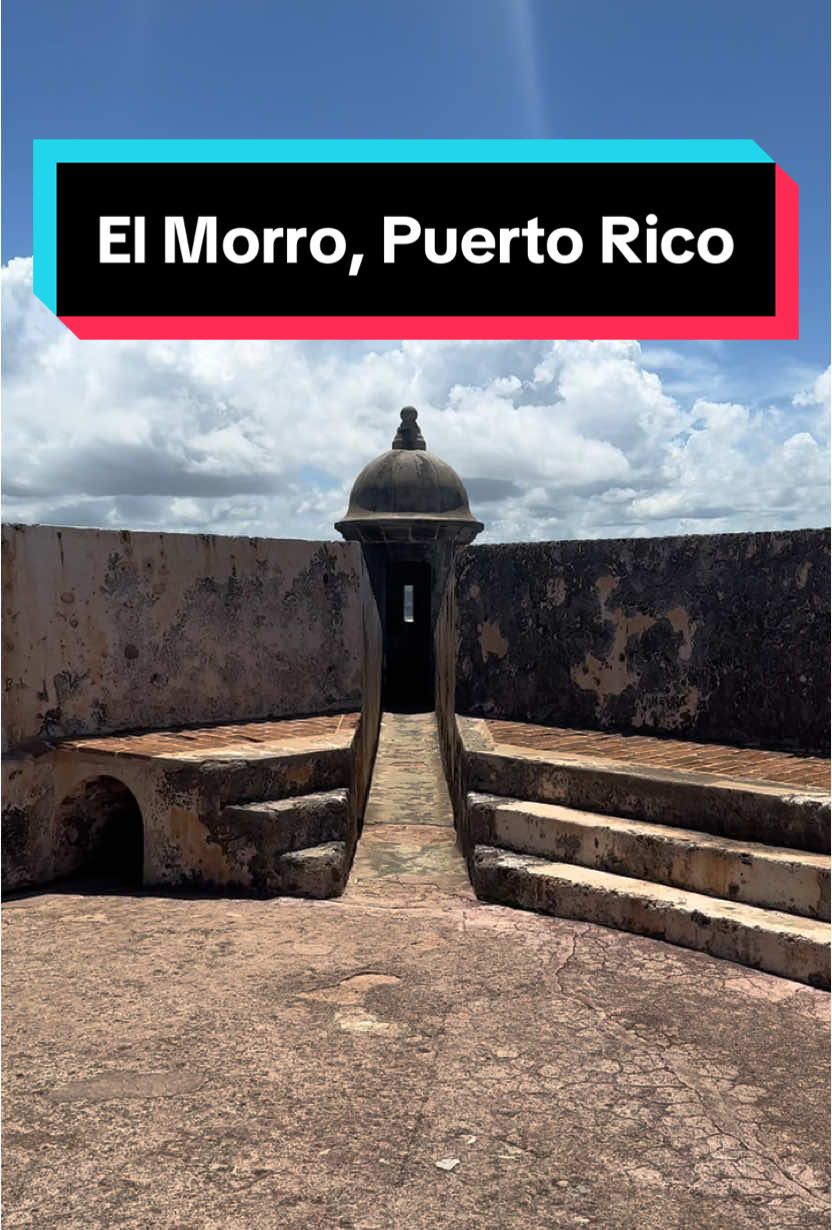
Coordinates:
(99, 834)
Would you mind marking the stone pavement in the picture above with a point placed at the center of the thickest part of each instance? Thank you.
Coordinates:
(402, 1058)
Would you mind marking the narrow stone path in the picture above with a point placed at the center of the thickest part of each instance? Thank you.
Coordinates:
(409, 837)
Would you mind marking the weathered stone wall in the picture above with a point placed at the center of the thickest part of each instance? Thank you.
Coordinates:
(722, 637)
(445, 656)
(372, 654)
(108, 630)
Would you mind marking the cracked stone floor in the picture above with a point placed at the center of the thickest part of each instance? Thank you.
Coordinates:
(403, 1057)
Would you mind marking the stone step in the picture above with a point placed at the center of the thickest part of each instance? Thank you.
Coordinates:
(771, 877)
(725, 807)
(319, 871)
(220, 781)
(291, 824)
(259, 841)
(767, 940)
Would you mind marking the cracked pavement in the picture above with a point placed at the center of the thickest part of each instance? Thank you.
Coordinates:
(201, 1063)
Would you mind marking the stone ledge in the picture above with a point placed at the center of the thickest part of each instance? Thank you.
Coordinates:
(283, 825)
(782, 944)
(743, 810)
(771, 877)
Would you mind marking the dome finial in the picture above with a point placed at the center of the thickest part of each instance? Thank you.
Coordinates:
(409, 435)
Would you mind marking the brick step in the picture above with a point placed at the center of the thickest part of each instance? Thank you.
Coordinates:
(771, 877)
(769, 940)
(722, 806)
(279, 845)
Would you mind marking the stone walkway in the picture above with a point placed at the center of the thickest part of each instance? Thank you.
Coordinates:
(403, 1058)
(409, 835)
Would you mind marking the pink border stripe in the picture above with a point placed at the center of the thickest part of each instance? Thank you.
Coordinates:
(784, 325)
(787, 254)
(423, 328)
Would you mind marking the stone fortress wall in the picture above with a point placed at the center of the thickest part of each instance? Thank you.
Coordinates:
(107, 630)
(718, 638)
(715, 637)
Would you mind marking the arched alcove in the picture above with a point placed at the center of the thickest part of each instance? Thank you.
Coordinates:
(99, 834)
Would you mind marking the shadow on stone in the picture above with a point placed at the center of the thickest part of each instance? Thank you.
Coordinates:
(99, 836)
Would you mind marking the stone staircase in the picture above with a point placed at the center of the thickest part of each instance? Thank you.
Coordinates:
(735, 867)
(298, 847)
(773, 877)
(287, 824)
(261, 808)
(285, 817)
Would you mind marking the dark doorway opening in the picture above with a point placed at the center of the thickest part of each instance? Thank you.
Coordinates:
(99, 835)
(408, 644)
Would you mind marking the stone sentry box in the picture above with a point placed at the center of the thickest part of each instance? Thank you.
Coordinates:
(409, 510)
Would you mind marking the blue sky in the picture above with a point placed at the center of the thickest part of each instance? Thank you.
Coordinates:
(597, 68)
(509, 68)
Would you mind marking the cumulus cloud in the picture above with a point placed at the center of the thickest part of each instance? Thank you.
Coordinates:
(554, 439)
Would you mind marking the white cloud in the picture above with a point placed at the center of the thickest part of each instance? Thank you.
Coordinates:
(556, 439)
(815, 394)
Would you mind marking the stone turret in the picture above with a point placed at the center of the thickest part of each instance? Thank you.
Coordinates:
(408, 495)
(409, 510)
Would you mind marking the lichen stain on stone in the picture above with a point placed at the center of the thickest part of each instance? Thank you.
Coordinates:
(802, 575)
(556, 591)
(197, 850)
(362, 1021)
(605, 586)
(492, 640)
(666, 712)
(300, 775)
(612, 675)
(615, 673)
(681, 622)
(352, 989)
(119, 1085)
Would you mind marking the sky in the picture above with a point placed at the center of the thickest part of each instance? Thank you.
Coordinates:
(555, 440)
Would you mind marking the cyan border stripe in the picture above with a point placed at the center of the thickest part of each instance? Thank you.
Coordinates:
(47, 154)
